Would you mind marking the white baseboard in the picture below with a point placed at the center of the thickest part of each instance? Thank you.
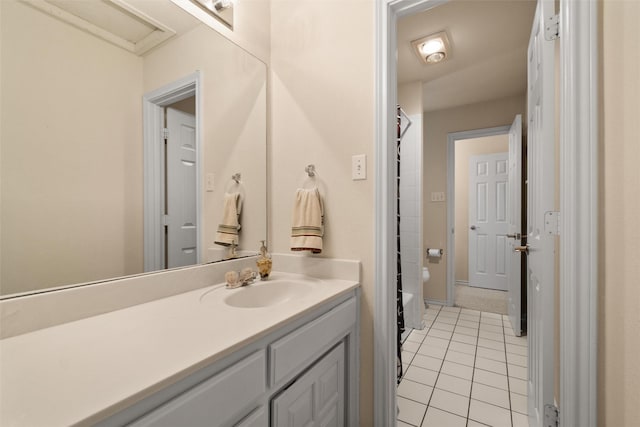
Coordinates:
(462, 282)
(435, 301)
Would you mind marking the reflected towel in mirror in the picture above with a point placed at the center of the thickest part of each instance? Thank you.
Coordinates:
(307, 227)
(229, 228)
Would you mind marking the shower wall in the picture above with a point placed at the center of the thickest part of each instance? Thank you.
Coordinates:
(411, 220)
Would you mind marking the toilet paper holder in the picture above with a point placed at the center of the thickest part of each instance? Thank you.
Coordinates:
(434, 253)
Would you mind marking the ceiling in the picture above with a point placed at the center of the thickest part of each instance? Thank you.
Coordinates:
(489, 51)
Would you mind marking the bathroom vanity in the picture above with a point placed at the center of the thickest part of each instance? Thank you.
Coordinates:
(269, 354)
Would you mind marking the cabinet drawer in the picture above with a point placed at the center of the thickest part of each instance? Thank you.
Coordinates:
(216, 401)
(258, 418)
(296, 350)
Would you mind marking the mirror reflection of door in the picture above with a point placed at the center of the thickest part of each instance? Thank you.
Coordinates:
(180, 224)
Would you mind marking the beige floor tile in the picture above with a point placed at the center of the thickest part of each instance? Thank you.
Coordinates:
(491, 335)
(519, 372)
(450, 309)
(492, 395)
(429, 350)
(491, 365)
(490, 321)
(407, 357)
(421, 375)
(401, 424)
(492, 328)
(438, 418)
(520, 420)
(487, 315)
(427, 362)
(488, 353)
(447, 319)
(436, 342)
(519, 403)
(469, 318)
(521, 341)
(491, 379)
(457, 357)
(412, 390)
(517, 349)
(440, 334)
(457, 370)
(466, 331)
(467, 324)
(489, 414)
(470, 312)
(515, 359)
(443, 326)
(450, 402)
(410, 346)
(470, 423)
(492, 344)
(467, 339)
(454, 384)
(449, 314)
(518, 386)
(462, 347)
(410, 412)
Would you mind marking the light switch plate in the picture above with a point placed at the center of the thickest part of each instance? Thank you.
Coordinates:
(437, 196)
(359, 167)
(210, 182)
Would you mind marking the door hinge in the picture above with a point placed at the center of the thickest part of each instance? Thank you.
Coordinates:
(551, 416)
(165, 220)
(165, 133)
(552, 28)
(552, 223)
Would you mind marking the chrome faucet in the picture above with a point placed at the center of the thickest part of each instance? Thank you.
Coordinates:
(244, 278)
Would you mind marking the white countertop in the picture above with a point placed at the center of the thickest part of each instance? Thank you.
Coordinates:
(79, 372)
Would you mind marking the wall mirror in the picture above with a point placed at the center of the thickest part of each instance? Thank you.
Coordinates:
(84, 86)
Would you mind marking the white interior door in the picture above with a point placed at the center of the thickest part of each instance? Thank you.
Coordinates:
(488, 203)
(541, 187)
(514, 228)
(181, 211)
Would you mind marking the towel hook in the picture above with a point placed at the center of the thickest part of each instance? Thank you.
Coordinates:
(310, 170)
(236, 177)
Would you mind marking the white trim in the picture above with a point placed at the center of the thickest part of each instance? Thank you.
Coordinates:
(452, 137)
(153, 121)
(435, 301)
(386, 15)
(578, 181)
(579, 208)
(462, 282)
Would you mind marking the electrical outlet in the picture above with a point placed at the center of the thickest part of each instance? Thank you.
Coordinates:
(210, 181)
(359, 167)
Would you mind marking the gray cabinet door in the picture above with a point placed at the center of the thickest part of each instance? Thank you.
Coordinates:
(315, 399)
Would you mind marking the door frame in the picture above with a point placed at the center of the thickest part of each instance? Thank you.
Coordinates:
(153, 104)
(579, 116)
(451, 205)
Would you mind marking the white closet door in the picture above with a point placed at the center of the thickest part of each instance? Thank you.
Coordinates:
(488, 203)
(181, 189)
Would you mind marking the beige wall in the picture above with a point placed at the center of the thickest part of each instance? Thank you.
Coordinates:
(466, 148)
(437, 125)
(71, 156)
(322, 68)
(619, 287)
(410, 98)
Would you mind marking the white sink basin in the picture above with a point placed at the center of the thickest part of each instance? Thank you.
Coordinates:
(262, 294)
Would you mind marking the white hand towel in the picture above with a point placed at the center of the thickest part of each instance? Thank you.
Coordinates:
(230, 226)
(307, 227)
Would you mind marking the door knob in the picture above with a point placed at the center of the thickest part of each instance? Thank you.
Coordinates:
(524, 249)
(516, 236)
(473, 227)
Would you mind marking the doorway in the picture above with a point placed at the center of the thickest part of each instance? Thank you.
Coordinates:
(478, 275)
(172, 164)
(578, 163)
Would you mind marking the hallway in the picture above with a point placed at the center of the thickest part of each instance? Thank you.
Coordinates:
(466, 368)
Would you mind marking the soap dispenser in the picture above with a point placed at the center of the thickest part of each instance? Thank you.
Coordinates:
(264, 261)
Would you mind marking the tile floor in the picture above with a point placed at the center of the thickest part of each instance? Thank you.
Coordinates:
(466, 368)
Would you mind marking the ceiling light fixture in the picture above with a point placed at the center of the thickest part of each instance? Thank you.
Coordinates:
(433, 48)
